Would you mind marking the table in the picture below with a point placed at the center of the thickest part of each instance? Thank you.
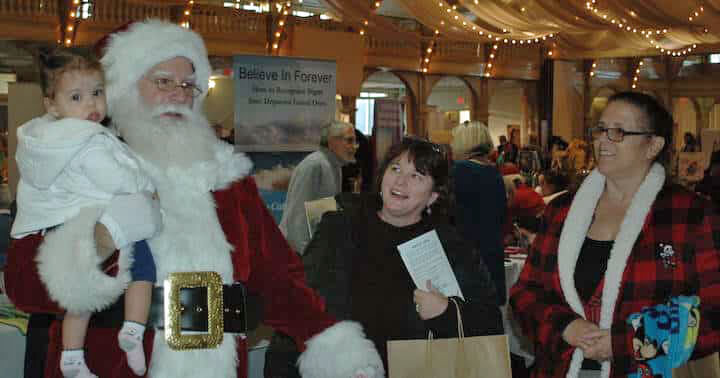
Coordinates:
(12, 348)
(519, 344)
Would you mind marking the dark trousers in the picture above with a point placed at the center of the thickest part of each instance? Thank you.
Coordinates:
(36, 344)
(281, 357)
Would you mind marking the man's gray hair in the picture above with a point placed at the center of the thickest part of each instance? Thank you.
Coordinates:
(333, 129)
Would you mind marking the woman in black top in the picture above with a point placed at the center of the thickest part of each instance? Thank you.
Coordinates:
(353, 260)
(354, 263)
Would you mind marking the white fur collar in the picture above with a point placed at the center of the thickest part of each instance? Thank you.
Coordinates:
(227, 167)
(574, 233)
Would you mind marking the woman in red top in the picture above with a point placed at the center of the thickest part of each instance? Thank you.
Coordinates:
(624, 241)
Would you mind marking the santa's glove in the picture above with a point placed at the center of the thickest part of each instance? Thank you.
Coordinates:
(132, 217)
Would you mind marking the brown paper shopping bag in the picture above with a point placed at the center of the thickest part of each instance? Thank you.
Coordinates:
(462, 357)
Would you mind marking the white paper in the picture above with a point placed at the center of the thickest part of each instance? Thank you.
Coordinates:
(425, 259)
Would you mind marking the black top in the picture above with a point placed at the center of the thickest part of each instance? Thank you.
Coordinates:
(380, 285)
(591, 266)
(589, 271)
(480, 211)
(353, 263)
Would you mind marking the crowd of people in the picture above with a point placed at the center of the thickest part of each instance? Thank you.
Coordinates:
(157, 199)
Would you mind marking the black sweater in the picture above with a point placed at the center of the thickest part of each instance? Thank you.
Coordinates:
(353, 262)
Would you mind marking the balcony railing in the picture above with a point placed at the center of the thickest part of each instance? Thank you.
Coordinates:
(28, 9)
(209, 19)
(118, 12)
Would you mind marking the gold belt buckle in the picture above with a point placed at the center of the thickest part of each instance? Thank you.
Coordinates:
(173, 309)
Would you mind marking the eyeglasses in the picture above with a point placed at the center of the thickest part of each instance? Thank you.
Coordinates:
(615, 134)
(168, 85)
(350, 140)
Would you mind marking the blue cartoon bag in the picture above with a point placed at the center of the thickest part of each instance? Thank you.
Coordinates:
(664, 336)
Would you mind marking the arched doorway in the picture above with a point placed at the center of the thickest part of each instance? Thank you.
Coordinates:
(448, 105)
(381, 85)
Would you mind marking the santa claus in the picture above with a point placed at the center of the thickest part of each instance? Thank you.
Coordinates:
(217, 236)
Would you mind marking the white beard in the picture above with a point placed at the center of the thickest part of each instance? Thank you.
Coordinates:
(185, 161)
(163, 141)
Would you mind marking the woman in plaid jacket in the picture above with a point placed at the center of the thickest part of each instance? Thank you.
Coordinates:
(623, 242)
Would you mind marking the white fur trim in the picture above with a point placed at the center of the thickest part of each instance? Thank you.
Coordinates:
(69, 266)
(339, 351)
(130, 54)
(196, 363)
(574, 233)
(205, 176)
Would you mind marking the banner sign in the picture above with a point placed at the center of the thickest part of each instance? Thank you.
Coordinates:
(282, 103)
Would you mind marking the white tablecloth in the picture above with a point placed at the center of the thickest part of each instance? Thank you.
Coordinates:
(519, 345)
(12, 349)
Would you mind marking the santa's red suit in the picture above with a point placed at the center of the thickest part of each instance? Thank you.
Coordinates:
(213, 220)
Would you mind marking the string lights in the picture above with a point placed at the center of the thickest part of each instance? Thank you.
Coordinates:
(428, 52)
(185, 19)
(374, 6)
(452, 12)
(697, 12)
(283, 11)
(636, 74)
(592, 68)
(649, 33)
(68, 31)
(489, 66)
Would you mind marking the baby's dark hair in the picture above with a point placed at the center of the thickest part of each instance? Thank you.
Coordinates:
(57, 62)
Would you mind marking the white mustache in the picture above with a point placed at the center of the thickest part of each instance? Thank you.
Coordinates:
(172, 108)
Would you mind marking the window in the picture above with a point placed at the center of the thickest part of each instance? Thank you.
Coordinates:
(302, 14)
(464, 115)
(714, 58)
(85, 10)
(364, 115)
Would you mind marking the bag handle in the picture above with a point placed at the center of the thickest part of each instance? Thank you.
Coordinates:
(461, 368)
(461, 328)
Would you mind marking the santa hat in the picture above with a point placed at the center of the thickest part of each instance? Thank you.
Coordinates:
(131, 53)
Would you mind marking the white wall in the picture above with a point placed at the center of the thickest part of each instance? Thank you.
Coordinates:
(505, 109)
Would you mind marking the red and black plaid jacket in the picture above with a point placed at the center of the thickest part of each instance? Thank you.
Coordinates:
(678, 217)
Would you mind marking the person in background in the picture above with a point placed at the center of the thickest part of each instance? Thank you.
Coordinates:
(480, 207)
(625, 242)
(353, 259)
(558, 154)
(357, 176)
(709, 186)
(501, 146)
(552, 184)
(691, 144)
(317, 176)
(511, 149)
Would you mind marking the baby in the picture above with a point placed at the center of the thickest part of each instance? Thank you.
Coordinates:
(68, 160)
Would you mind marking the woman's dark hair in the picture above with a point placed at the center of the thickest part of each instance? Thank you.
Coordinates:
(55, 63)
(429, 159)
(561, 143)
(655, 117)
(689, 138)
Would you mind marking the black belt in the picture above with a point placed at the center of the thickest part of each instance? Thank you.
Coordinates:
(241, 312)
